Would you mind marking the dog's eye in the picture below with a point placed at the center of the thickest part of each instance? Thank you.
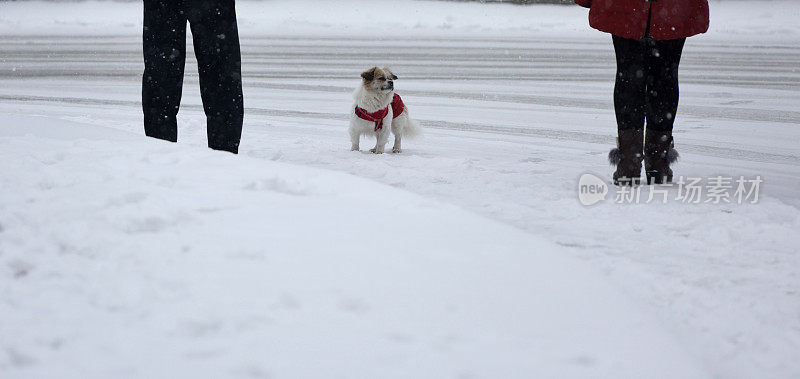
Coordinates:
(382, 79)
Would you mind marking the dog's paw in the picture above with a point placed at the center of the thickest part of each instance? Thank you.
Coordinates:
(354, 148)
(397, 150)
(375, 151)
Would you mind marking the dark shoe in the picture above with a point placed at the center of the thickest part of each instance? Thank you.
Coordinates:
(659, 153)
(627, 157)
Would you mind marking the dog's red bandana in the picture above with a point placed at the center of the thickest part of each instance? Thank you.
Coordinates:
(377, 116)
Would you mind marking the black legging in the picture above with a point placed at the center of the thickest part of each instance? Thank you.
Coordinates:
(216, 46)
(647, 83)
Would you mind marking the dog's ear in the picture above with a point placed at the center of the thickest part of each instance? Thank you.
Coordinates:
(369, 74)
(391, 74)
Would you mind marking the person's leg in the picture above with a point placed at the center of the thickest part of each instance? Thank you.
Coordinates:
(663, 60)
(631, 84)
(216, 45)
(629, 105)
(164, 47)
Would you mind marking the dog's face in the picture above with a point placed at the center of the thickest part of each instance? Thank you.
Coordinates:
(378, 79)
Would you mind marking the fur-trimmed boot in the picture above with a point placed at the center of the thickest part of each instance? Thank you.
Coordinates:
(659, 153)
(627, 156)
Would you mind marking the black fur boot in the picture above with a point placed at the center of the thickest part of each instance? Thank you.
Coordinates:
(627, 157)
(659, 153)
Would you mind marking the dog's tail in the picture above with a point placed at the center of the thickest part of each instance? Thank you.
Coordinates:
(412, 129)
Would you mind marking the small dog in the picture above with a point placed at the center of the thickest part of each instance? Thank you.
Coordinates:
(378, 109)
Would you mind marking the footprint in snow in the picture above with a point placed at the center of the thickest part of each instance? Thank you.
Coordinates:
(127, 199)
(354, 306)
(19, 359)
(20, 268)
(276, 185)
(146, 225)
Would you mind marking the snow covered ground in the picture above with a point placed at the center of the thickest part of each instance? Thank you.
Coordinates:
(129, 257)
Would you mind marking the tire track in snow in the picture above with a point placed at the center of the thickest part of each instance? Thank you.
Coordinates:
(746, 114)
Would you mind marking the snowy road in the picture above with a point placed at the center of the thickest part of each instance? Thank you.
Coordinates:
(512, 122)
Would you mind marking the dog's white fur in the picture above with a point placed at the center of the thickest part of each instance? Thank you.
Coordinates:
(375, 93)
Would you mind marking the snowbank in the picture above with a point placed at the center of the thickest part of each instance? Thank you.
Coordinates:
(734, 21)
(127, 257)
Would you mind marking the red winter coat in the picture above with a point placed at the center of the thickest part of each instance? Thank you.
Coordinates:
(670, 19)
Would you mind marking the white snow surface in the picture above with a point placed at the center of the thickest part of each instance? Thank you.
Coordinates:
(468, 255)
(129, 258)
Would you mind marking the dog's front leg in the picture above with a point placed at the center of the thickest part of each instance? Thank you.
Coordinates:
(355, 136)
(382, 136)
(382, 139)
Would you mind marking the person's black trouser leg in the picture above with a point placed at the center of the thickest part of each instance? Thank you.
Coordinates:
(630, 89)
(216, 45)
(647, 83)
(164, 45)
(662, 83)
